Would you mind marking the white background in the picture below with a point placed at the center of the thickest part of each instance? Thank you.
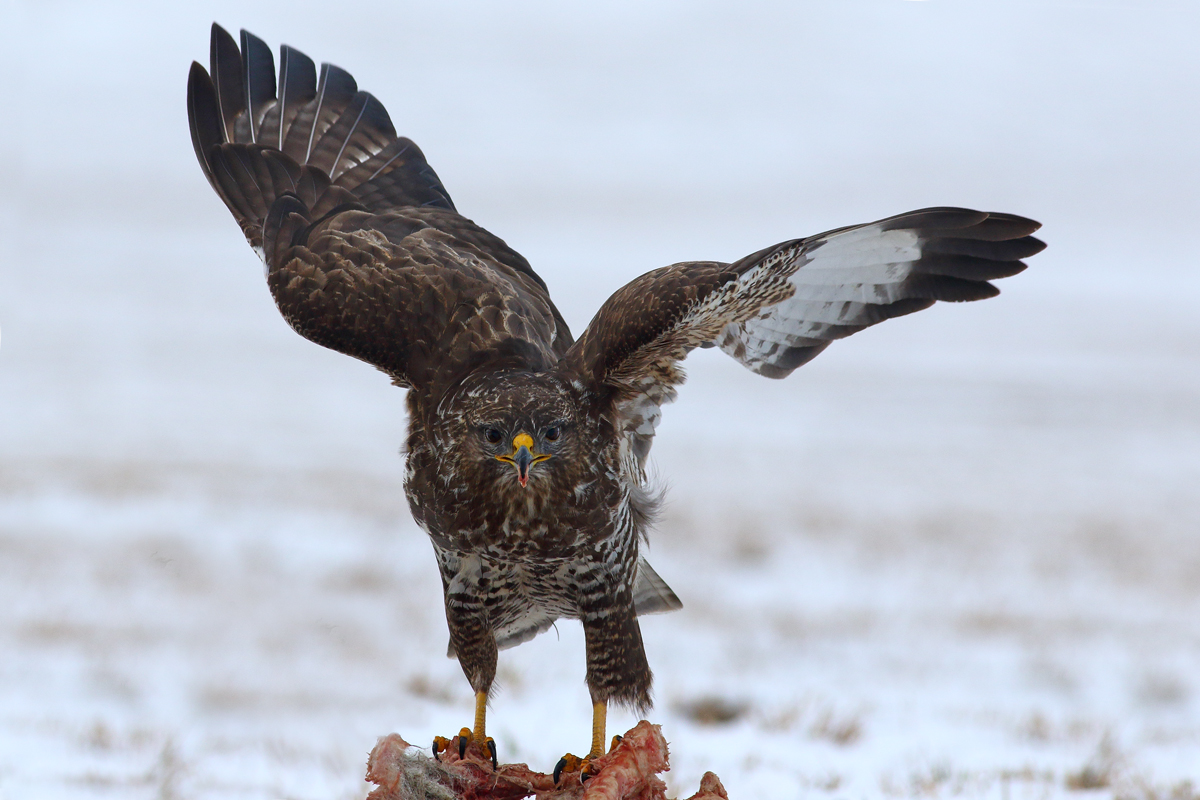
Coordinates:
(958, 554)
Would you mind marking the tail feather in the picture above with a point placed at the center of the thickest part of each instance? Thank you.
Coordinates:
(651, 595)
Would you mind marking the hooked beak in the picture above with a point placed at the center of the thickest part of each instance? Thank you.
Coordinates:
(523, 457)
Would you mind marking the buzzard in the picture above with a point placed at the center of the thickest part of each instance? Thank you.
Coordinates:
(526, 447)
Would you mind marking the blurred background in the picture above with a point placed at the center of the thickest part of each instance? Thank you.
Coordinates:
(957, 554)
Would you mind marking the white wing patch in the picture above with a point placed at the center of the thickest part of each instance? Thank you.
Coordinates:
(778, 308)
(833, 284)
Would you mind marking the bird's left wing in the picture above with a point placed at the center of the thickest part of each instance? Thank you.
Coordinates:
(777, 309)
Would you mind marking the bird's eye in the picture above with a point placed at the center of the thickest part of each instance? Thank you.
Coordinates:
(494, 436)
(553, 433)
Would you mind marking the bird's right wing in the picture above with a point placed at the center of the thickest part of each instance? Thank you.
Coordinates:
(363, 249)
(778, 308)
(411, 298)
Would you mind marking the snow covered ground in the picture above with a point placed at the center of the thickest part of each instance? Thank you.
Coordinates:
(956, 555)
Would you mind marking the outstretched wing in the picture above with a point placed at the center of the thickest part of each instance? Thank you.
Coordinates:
(363, 248)
(777, 309)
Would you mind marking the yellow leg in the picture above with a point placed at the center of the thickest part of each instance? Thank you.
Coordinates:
(480, 717)
(599, 718)
(584, 766)
(466, 736)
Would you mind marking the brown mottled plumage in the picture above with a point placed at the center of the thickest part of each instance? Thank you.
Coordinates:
(526, 448)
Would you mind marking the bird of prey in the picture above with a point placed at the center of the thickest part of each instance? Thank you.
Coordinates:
(526, 447)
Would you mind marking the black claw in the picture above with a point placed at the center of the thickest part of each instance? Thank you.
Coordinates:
(491, 746)
(435, 751)
(462, 747)
(562, 762)
(584, 775)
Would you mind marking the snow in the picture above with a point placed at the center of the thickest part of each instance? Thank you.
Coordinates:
(956, 555)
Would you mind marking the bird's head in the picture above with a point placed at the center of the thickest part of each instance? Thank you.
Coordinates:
(523, 452)
(518, 430)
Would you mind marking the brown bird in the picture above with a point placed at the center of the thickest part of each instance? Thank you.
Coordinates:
(526, 448)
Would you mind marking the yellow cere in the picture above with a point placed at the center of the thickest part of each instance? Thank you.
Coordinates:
(523, 440)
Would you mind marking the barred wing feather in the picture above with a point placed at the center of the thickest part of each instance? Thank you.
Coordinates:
(363, 249)
(777, 309)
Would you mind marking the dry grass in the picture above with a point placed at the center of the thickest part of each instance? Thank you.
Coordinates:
(842, 730)
(1099, 771)
(711, 710)
(1139, 789)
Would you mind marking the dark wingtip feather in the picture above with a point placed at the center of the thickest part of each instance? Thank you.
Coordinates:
(964, 222)
(950, 289)
(204, 117)
(337, 84)
(940, 218)
(970, 268)
(225, 65)
(1003, 250)
(324, 124)
(297, 85)
(1000, 227)
(336, 89)
(957, 260)
(899, 308)
(258, 79)
(1016, 225)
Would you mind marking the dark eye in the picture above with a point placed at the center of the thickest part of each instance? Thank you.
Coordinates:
(552, 434)
(494, 436)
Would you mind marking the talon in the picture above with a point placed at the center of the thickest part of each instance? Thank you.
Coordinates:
(616, 740)
(440, 743)
(587, 770)
(464, 739)
(491, 748)
(571, 763)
